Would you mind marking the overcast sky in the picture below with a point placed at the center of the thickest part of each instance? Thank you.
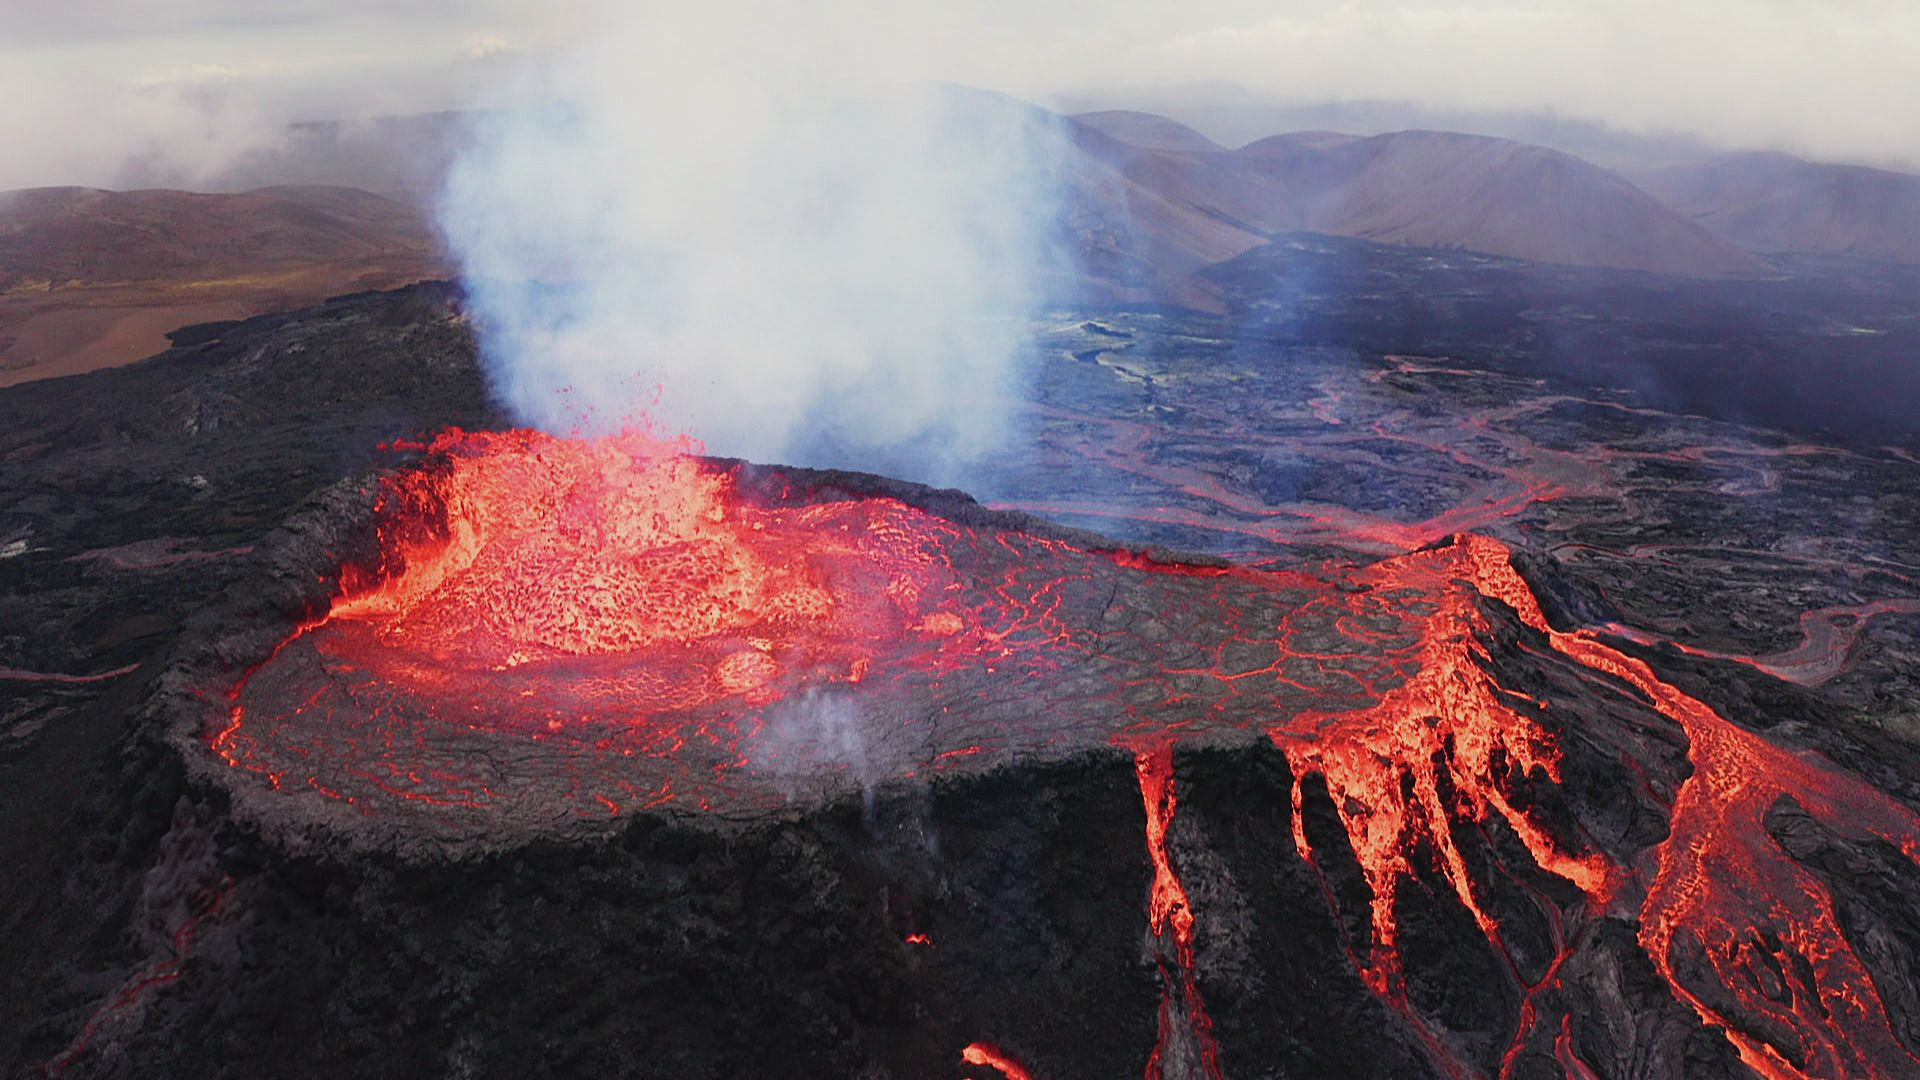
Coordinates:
(89, 83)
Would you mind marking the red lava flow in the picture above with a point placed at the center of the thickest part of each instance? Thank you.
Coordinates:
(146, 980)
(993, 1057)
(532, 585)
(1721, 879)
(1169, 911)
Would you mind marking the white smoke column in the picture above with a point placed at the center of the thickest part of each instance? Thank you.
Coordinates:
(768, 220)
(820, 738)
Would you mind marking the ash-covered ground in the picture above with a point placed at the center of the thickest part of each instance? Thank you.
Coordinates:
(1196, 824)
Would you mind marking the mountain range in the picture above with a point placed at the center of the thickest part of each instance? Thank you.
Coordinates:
(1769, 202)
(90, 278)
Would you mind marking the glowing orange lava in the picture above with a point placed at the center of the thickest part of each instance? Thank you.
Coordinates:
(539, 549)
(1723, 881)
(1169, 910)
(994, 1058)
(626, 595)
(1448, 728)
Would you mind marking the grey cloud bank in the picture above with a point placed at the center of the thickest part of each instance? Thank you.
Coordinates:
(101, 81)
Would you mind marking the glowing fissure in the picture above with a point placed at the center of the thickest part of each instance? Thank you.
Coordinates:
(621, 594)
(149, 979)
(1564, 1053)
(1170, 913)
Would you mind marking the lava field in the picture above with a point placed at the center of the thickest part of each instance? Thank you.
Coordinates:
(1277, 710)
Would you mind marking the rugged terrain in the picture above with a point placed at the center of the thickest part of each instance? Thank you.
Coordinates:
(1150, 209)
(1196, 814)
(1776, 202)
(91, 278)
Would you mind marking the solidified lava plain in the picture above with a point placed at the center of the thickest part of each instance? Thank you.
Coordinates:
(1496, 727)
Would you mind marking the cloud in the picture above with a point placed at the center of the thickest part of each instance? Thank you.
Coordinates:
(1826, 79)
(184, 76)
(98, 132)
(482, 46)
(1829, 79)
(124, 91)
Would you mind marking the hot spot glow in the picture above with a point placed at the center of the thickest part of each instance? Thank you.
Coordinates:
(638, 615)
(992, 1057)
(524, 549)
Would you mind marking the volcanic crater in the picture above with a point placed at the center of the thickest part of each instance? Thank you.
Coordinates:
(521, 637)
(1533, 740)
(521, 632)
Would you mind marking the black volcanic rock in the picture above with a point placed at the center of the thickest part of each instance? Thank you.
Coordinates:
(171, 518)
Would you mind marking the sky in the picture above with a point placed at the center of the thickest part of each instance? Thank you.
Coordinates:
(199, 83)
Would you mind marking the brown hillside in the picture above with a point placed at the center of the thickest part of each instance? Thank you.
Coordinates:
(92, 278)
(1774, 202)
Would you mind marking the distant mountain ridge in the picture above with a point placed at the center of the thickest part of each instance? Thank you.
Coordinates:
(1233, 118)
(1771, 202)
(90, 236)
(1502, 197)
(91, 277)
(1422, 188)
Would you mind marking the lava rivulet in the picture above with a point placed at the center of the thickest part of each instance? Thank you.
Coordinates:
(1170, 914)
(1721, 879)
(992, 1057)
(1383, 764)
(1826, 636)
(563, 629)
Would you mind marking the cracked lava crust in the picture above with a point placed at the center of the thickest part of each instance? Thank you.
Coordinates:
(541, 637)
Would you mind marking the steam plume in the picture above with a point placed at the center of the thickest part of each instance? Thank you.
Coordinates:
(762, 229)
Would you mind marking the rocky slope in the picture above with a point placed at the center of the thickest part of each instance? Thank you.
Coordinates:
(1776, 202)
(1424, 188)
(168, 920)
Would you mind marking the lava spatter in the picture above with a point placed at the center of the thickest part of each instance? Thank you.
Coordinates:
(545, 549)
(610, 592)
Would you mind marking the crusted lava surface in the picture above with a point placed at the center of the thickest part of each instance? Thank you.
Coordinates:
(1501, 727)
(550, 630)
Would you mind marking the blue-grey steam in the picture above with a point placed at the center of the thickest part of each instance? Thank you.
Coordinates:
(742, 226)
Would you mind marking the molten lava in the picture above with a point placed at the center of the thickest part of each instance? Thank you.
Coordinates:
(542, 551)
(623, 616)
(992, 1057)
(1169, 911)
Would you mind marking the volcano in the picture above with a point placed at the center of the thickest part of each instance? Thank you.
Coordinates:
(1405, 718)
(554, 635)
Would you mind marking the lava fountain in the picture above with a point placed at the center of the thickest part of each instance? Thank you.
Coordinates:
(553, 634)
